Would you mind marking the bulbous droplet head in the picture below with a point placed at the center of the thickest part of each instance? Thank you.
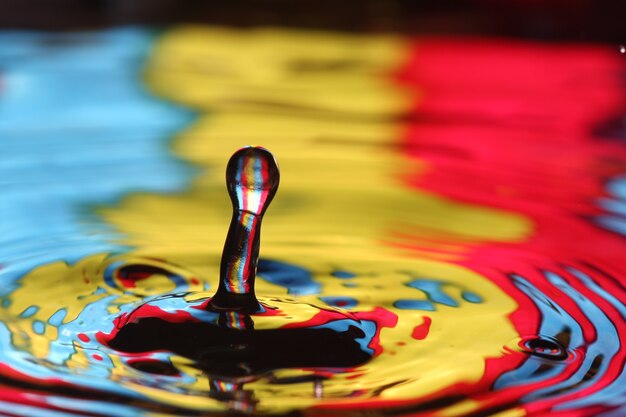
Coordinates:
(252, 179)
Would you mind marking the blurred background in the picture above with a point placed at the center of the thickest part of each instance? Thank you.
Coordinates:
(576, 20)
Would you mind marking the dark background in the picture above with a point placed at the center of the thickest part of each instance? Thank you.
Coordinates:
(576, 20)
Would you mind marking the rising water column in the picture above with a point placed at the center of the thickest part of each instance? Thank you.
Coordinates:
(252, 178)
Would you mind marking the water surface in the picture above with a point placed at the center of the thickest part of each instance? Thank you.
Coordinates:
(446, 239)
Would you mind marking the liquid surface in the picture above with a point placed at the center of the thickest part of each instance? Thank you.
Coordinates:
(447, 239)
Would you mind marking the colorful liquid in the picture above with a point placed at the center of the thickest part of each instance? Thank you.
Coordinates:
(447, 238)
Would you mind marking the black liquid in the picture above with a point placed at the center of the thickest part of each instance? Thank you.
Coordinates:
(227, 352)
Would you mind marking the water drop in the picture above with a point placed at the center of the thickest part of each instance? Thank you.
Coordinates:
(252, 179)
(219, 334)
(544, 347)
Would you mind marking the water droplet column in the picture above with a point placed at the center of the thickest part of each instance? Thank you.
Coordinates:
(252, 179)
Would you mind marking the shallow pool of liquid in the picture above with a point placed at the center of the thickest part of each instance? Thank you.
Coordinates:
(447, 237)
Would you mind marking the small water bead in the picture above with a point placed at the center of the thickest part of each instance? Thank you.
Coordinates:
(544, 347)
